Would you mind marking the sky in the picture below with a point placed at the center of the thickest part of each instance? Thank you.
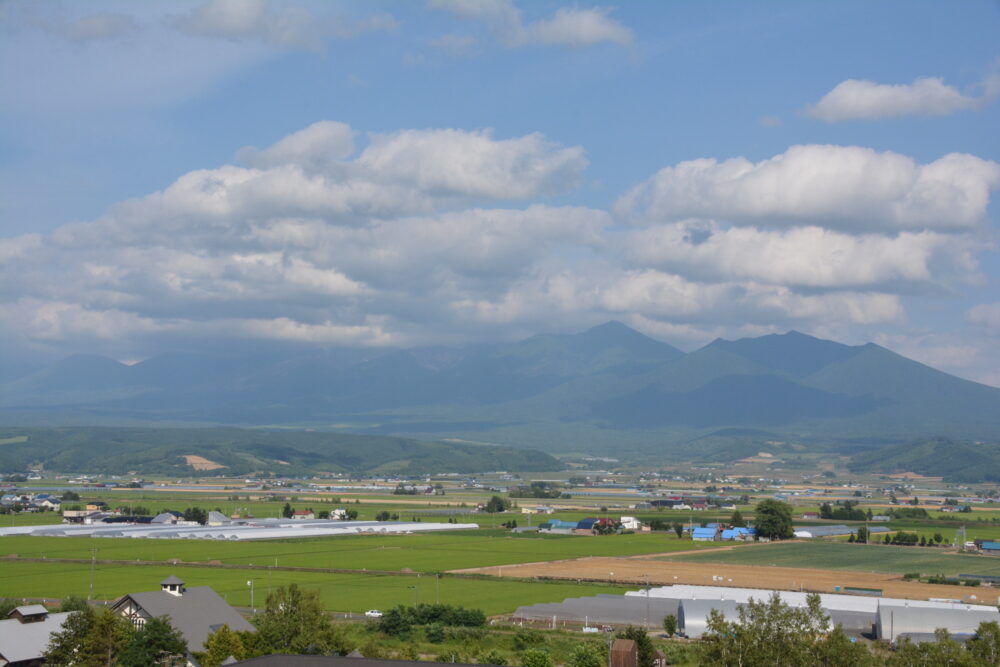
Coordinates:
(256, 174)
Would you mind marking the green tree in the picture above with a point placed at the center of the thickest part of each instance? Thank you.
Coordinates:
(678, 529)
(294, 622)
(497, 504)
(89, 638)
(773, 519)
(8, 605)
(73, 603)
(863, 535)
(670, 624)
(737, 520)
(588, 654)
(984, 648)
(287, 511)
(493, 657)
(395, 622)
(155, 641)
(942, 651)
(196, 514)
(772, 633)
(220, 645)
(642, 642)
(536, 658)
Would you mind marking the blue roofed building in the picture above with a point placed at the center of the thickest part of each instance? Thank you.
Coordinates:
(705, 534)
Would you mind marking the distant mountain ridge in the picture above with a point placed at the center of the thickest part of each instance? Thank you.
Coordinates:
(609, 387)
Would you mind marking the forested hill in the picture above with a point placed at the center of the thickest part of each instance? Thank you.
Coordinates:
(171, 451)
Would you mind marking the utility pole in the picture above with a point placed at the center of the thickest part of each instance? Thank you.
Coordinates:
(252, 606)
(93, 561)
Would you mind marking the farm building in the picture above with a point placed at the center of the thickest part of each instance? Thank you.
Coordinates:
(692, 615)
(258, 529)
(808, 532)
(901, 618)
(738, 533)
(557, 526)
(706, 534)
(856, 614)
(992, 548)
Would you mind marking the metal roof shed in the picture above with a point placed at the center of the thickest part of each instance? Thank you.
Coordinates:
(692, 615)
(897, 619)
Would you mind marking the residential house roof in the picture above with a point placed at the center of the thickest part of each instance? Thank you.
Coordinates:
(27, 641)
(197, 613)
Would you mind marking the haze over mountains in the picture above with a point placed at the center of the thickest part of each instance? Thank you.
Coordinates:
(608, 387)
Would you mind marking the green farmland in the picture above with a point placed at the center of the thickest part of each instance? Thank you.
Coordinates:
(420, 553)
(339, 592)
(859, 557)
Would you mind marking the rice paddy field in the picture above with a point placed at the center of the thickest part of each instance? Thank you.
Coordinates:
(857, 557)
(339, 592)
(420, 553)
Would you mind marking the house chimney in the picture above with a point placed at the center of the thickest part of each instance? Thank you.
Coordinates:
(172, 585)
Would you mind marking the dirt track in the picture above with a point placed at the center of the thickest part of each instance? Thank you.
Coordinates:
(635, 570)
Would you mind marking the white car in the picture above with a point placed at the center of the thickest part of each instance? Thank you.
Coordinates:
(373, 613)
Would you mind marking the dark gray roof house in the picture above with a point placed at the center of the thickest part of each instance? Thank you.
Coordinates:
(196, 612)
(24, 635)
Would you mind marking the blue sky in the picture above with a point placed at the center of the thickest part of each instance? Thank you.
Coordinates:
(190, 175)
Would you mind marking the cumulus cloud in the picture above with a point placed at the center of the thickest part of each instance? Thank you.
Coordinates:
(804, 256)
(314, 147)
(856, 99)
(283, 26)
(569, 26)
(834, 186)
(330, 236)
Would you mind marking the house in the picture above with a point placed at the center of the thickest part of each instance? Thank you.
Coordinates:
(195, 612)
(24, 635)
(810, 515)
(339, 514)
(53, 504)
(631, 523)
(97, 506)
(303, 515)
(881, 517)
(81, 516)
(168, 516)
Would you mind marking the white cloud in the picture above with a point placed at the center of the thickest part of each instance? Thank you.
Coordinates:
(804, 256)
(579, 27)
(987, 316)
(284, 26)
(855, 99)
(314, 147)
(833, 186)
(455, 162)
(399, 240)
(569, 26)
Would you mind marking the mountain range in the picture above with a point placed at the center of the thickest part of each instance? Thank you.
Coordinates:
(610, 388)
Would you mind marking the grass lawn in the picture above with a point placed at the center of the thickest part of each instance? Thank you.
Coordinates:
(860, 557)
(421, 553)
(339, 592)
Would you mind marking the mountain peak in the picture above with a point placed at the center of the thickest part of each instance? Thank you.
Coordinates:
(794, 353)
